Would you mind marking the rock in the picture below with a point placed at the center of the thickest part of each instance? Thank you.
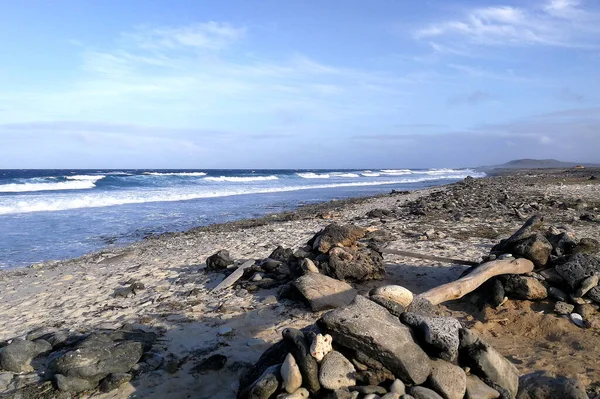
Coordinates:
(369, 390)
(438, 334)
(392, 306)
(361, 265)
(589, 313)
(587, 217)
(367, 327)
(372, 396)
(219, 261)
(309, 266)
(422, 307)
(557, 294)
(266, 385)
(448, 380)
(587, 285)
(296, 344)
(322, 292)
(336, 372)
(114, 381)
(256, 277)
(543, 385)
(74, 384)
(390, 396)
(398, 387)
(379, 213)
(521, 287)
(562, 244)
(577, 320)
(290, 374)
(424, 393)
(535, 248)
(342, 394)
(17, 355)
(396, 293)
(552, 277)
(577, 268)
(336, 235)
(486, 362)
(301, 393)
(477, 389)
(587, 246)
(321, 346)
(212, 363)
(5, 379)
(224, 331)
(563, 308)
(97, 357)
(282, 254)
(594, 294)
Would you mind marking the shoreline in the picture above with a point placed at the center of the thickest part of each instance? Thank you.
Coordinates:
(461, 220)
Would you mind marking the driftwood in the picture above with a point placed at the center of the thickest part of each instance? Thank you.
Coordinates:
(464, 285)
(429, 257)
(233, 277)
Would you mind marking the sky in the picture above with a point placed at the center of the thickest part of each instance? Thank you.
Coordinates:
(297, 83)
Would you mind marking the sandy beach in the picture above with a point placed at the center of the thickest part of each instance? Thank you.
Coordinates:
(458, 221)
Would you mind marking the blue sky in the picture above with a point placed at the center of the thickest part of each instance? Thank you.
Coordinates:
(297, 83)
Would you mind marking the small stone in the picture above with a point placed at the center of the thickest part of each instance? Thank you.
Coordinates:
(577, 320)
(369, 390)
(321, 346)
(396, 293)
(525, 288)
(563, 308)
(114, 381)
(372, 396)
(309, 266)
(440, 334)
(256, 277)
(424, 393)
(557, 294)
(398, 387)
(301, 393)
(477, 389)
(448, 380)
(587, 285)
(336, 372)
(267, 384)
(290, 373)
(219, 261)
(224, 331)
(390, 396)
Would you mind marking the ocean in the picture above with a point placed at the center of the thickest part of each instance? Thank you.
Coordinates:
(60, 214)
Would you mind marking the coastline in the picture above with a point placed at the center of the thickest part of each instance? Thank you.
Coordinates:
(79, 294)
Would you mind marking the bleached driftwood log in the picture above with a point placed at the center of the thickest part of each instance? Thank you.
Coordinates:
(464, 285)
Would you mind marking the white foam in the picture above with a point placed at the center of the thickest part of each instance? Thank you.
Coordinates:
(396, 172)
(310, 175)
(92, 178)
(345, 175)
(370, 174)
(176, 174)
(101, 200)
(31, 187)
(241, 179)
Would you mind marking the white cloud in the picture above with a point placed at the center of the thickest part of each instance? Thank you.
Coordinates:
(553, 23)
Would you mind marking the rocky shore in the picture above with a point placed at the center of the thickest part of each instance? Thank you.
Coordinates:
(314, 302)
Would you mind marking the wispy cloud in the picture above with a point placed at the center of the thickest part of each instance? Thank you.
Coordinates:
(564, 23)
(472, 98)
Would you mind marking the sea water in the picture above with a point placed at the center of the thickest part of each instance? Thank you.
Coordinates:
(60, 214)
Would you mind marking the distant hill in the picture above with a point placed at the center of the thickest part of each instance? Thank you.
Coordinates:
(536, 164)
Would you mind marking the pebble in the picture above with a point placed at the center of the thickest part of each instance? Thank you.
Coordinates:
(587, 285)
(396, 293)
(256, 277)
(224, 330)
(577, 320)
(321, 346)
(290, 373)
(336, 372)
(563, 308)
(301, 393)
(398, 387)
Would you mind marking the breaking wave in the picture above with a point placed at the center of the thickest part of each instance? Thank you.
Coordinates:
(241, 179)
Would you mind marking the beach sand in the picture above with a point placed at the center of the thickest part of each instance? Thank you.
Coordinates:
(79, 295)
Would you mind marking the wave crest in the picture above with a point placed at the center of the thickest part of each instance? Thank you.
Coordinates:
(241, 179)
(175, 174)
(31, 187)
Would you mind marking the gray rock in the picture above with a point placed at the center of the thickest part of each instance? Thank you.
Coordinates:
(369, 390)
(367, 327)
(97, 357)
(336, 372)
(390, 396)
(424, 393)
(577, 268)
(323, 292)
(219, 261)
(535, 248)
(266, 385)
(486, 362)
(301, 393)
(477, 389)
(297, 345)
(521, 287)
(587, 246)
(336, 235)
(587, 285)
(563, 308)
(392, 306)
(5, 379)
(309, 266)
(448, 380)
(543, 385)
(439, 334)
(74, 384)
(342, 394)
(407, 397)
(558, 294)
(422, 307)
(552, 277)
(114, 381)
(354, 265)
(17, 355)
(398, 387)
(290, 374)
(594, 294)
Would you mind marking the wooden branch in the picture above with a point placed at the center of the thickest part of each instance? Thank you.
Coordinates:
(469, 283)
(429, 257)
(233, 277)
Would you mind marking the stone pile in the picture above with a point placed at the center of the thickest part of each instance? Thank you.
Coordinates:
(363, 351)
(567, 270)
(48, 361)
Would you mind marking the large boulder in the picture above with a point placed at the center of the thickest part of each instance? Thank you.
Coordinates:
(360, 265)
(486, 362)
(369, 328)
(577, 268)
(438, 335)
(219, 261)
(322, 292)
(521, 287)
(17, 355)
(535, 248)
(336, 235)
(543, 385)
